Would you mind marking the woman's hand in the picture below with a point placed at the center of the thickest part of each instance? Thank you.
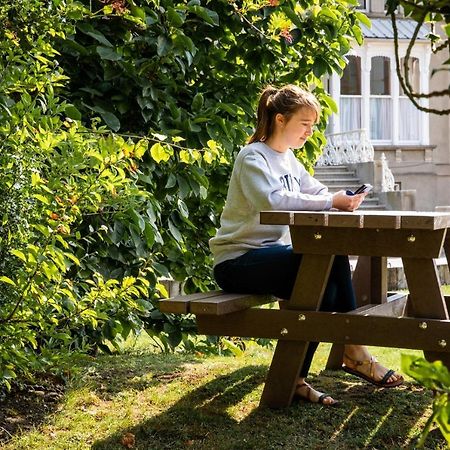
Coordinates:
(346, 202)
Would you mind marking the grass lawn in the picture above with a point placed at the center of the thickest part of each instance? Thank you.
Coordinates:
(145, 400)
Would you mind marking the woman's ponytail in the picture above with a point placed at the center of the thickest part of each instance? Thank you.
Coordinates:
(264, 119)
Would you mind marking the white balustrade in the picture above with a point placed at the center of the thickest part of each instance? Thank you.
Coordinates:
(346, 148)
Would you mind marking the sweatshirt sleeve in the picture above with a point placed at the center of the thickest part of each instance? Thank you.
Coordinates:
(264, 191)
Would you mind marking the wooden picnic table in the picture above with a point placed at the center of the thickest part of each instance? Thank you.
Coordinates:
(418, 320)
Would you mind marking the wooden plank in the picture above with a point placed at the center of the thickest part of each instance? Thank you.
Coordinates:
(228, 303)
(390, 221)
(425, 220)
(286, 325)
(343, 219)
(311, 218)
(276, 217)
(180, 303)
(370, 242)
(370, 219)
(394, 308)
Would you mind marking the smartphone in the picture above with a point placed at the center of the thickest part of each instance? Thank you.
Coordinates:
(362, 189)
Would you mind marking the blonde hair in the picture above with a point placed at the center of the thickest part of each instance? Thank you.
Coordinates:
(286, 100)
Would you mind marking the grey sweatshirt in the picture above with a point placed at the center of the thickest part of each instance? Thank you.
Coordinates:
(263, 180)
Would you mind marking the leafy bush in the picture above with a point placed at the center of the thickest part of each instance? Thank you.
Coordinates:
(435, 376)
(118, 127)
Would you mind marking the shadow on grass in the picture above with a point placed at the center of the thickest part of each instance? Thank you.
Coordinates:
(219, 415)
(110, 376)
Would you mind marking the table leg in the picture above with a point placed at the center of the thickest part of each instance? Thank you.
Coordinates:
(426, 297)
(289, 356)
(370, 280)
(370, 285)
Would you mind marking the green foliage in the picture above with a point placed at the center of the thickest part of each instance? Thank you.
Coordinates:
(435, 376)
(93, 219)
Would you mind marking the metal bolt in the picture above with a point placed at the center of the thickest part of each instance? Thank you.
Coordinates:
(347, 338)
(411, 238)
(301, 317)
(317, 236)
(284, 332)
(423, 325)
(442, 343)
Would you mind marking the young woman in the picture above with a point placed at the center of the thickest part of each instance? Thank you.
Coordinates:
(254, 258)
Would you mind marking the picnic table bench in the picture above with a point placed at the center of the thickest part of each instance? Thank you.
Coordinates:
(417, 320)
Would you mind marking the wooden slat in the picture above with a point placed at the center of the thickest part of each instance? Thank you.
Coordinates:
(382, 220)
(338, 328)
(425, 220)
(370, 242)
(394, 308)
(276, 217)
(180, 303)
(342, 219)
(370, 219)
(311, 218)
(228, 303)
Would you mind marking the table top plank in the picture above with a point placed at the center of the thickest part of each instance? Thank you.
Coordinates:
(360, 219)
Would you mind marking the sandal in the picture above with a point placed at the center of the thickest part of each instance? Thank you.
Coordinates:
(370, 378)
(309, 398)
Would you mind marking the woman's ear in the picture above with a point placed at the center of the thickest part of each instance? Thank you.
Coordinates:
(280, 120)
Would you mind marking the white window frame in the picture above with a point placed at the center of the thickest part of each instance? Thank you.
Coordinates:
(377, 47)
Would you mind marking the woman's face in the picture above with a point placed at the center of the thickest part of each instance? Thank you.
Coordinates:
(298, 128)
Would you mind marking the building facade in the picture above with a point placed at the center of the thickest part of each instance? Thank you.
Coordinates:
(416, 144)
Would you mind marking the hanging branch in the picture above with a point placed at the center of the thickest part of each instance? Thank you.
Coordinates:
(404, 79)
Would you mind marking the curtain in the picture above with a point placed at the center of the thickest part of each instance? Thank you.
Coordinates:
(350, 113)
(409, 121)
(380, 119)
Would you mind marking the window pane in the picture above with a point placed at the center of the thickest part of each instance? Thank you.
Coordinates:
(380, 119)
(351, 79)
(350, 113)
(409, 121)
(380, 76)
(413, 74)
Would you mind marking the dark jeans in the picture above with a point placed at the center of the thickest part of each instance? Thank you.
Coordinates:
(273, 270)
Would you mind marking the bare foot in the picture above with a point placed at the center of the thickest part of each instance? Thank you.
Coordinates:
(309, 394)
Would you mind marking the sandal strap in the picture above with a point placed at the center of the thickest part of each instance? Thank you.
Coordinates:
(363, 362)
(308, 390)
(387, 375)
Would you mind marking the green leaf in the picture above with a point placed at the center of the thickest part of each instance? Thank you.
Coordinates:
(7, 280)
(159, 153)
(163, 45)
(111, 120)
(19, 254)
(72, 112)
(109, 54)
(175, 18)
(210, 17)
(175, 232)
(197, 102)
(97, 35)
